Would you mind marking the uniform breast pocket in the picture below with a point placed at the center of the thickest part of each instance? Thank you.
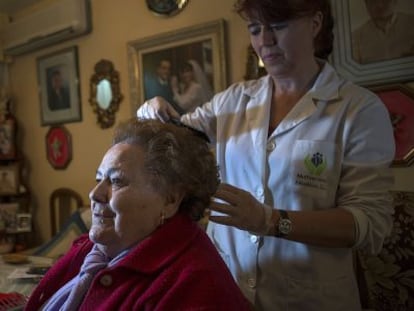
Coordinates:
(315, 168)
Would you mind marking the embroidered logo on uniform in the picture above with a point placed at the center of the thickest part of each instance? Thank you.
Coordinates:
(315, 164)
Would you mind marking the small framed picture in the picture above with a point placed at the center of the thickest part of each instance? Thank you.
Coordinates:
(59, 87)
(24, 222)
(9, 179)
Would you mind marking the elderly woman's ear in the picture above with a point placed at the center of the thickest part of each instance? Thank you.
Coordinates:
(172, 203)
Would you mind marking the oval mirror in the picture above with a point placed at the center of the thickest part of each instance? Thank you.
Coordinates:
(105, 95)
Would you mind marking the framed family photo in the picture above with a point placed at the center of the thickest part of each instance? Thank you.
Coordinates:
(155, 62)
(58, 78)
(9, 179)
(370, 50)
(399, 101)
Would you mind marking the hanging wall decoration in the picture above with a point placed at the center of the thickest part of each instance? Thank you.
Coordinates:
(166, 7)
(58, 147)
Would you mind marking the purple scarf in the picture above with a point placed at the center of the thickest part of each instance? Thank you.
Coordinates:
(70, 296)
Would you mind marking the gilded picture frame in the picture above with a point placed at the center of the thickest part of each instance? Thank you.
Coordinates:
(203, 42)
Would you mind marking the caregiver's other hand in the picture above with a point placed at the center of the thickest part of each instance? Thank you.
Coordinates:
(241, 210)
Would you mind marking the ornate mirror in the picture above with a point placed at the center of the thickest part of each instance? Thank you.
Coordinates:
(254, 67)
(105, 94)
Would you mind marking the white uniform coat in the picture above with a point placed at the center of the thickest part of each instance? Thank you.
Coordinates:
(332, 150)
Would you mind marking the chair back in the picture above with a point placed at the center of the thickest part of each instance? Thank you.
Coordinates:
(63, 203)
(386, 281)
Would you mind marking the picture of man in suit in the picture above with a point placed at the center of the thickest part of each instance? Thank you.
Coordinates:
(58, 93)
(158, 83)
(387, 33)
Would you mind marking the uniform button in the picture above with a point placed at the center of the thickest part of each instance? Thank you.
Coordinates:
(251, 282)
(254, 239)
(271, 146)
(106, 280)
(259, 192)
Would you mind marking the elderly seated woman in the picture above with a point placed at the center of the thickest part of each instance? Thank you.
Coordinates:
(145, 249)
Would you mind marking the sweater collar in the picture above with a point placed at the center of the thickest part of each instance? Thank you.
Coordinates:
(163, 245)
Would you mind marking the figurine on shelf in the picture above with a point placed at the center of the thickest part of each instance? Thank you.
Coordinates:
(7, 129)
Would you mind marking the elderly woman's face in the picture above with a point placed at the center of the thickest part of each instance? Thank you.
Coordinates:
(125, 208)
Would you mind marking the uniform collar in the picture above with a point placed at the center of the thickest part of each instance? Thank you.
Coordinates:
(325, 88)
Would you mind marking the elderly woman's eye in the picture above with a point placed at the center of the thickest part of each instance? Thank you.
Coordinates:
(116, 181)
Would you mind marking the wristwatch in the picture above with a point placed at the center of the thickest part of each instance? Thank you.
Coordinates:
(284, 225)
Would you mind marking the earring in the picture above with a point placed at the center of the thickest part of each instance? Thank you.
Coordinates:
(162, 218)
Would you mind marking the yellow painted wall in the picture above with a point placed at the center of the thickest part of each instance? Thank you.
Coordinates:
(115, 22)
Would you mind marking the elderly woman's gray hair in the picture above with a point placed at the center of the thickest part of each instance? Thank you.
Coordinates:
(176, 159)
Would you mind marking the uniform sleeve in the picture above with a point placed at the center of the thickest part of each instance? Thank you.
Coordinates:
(366, 176)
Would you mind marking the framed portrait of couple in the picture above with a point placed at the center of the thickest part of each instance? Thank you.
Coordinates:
(159, 65)
(374, 41)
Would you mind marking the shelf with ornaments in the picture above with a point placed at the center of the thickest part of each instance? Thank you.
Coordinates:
(15, 207)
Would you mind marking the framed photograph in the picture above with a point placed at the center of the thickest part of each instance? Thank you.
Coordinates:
(58, 147)
(368, 52)
(58, 78)
(156, 62)
(399, 101)
(9, 179)
(24, 222)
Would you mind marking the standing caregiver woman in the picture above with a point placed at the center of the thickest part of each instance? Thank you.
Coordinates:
(305, 159)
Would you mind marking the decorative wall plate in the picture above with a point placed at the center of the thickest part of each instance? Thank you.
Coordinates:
(58, 147)
(166, 7)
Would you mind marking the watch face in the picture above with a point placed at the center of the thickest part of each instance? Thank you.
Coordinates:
(166, 7)
(285, 226)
